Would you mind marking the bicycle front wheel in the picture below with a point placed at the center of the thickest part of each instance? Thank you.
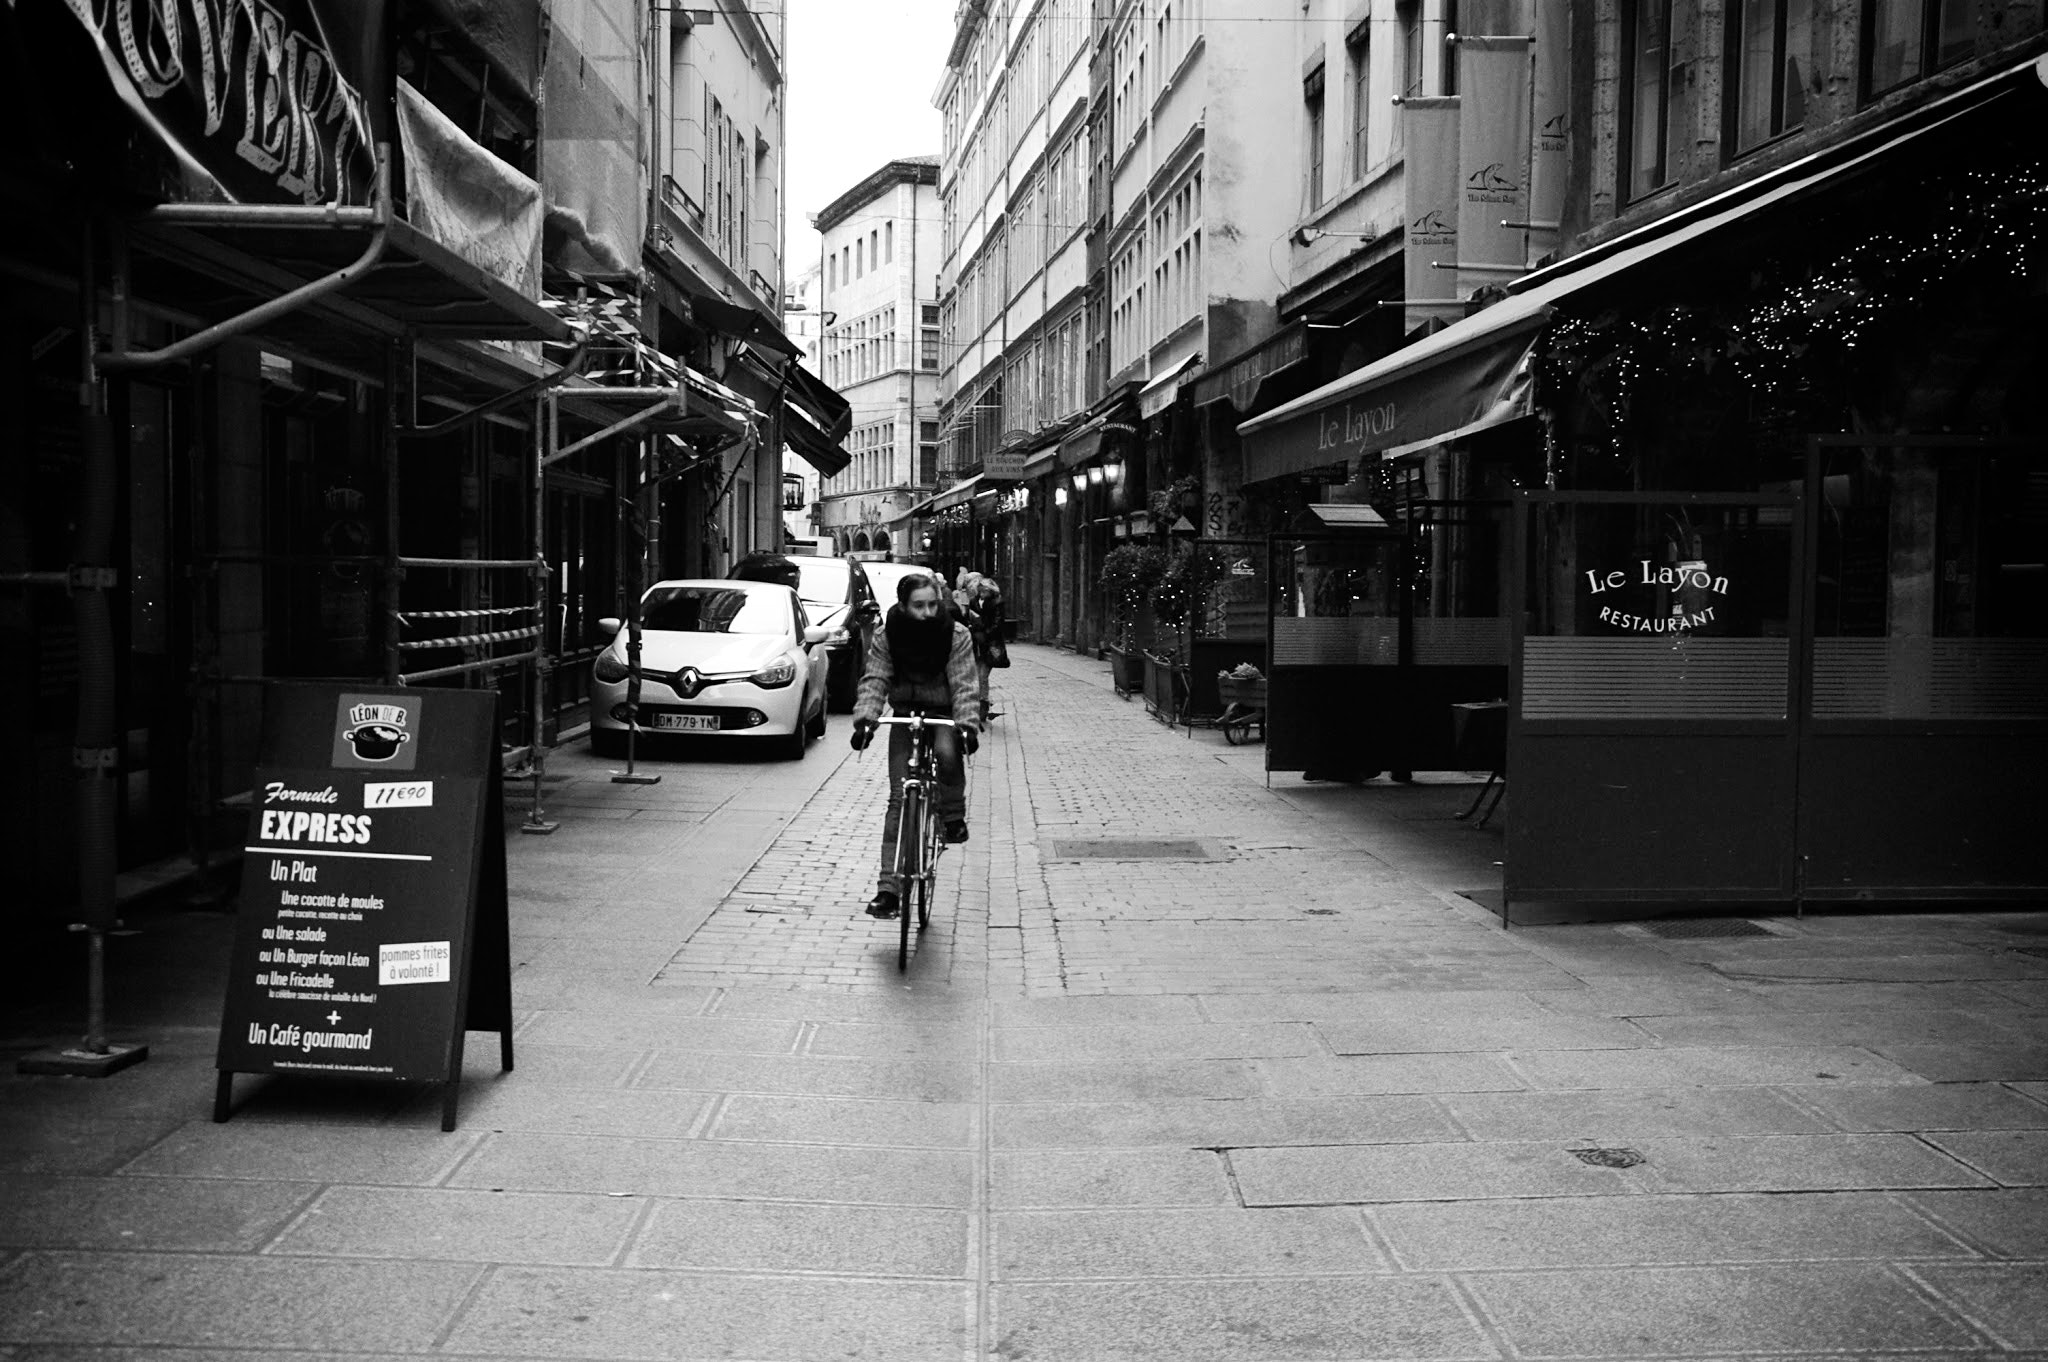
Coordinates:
(910, 825)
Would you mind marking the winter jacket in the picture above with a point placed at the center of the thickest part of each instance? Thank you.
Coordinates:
(954, 696)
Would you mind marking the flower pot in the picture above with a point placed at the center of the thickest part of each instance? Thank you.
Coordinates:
(1126, 670)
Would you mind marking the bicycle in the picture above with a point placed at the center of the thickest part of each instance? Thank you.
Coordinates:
(918, 843)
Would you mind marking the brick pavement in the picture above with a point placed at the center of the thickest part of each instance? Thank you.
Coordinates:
(1294, 1099)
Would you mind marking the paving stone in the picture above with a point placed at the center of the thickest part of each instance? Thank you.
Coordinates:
(644, 1031)
(1717, 1067)
(1216, 1122)
(1387, 1074)
(2003, 1297)
(38, 1211)
(246, 1301)
(1100, 1010)
(2008, 1222)
(2017, 1158)
(812, 1004)
(929, 1080)
(494, 1105)
(1303, 1320)
(1786, 1163)
(285, 1153)
(840, 1120)
(1937, 1106)
(949, 1039)
(626, 1315)
(1996, 1063)
(695, 1168)
(764, 1236)
(1455, 1032)
(1646, 1231)
(1113, 1042)
(441, 1224)
(1490, 1004)
(1709, 1311)
(1109, 1082)
(1234, 1242)
(46, 1142)
(1348, 1174)
(1107, 1177)
(1626, 1113)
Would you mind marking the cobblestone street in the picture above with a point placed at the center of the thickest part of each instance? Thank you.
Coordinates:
(1186, 1067)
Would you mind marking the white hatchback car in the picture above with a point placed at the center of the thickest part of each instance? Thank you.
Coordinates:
(716, 657)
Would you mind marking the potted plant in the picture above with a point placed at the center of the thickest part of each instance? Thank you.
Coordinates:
(1129, 574)
(1182, 592)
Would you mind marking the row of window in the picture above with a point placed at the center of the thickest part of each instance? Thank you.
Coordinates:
(729, 193)
(853, 260)
(1144, 55)
(871, 346)
(1768, 48)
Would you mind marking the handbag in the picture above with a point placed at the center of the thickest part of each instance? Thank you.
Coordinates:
(998, 653)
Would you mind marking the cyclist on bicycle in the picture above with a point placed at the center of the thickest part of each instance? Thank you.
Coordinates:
(919, 661)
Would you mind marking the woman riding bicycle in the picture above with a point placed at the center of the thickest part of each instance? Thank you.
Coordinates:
(919, 661)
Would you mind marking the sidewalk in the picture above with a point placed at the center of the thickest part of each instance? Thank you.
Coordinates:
(1186, 1068)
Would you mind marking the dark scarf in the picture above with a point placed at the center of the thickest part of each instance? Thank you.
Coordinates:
(920, 648)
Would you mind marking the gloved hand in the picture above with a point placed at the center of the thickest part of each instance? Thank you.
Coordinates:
(970, 740)
(863, 734)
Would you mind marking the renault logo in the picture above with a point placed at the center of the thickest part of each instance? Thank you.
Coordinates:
(688, 682)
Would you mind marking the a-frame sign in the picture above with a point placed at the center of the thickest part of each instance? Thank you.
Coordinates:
(373, 924)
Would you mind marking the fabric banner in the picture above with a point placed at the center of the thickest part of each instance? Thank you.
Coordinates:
(467, 199)
(590, 137)
(270, 104)
(1493, 160)
(1550, 113)
(1429, 243)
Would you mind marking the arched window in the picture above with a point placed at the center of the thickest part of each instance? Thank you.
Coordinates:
(881, 540)
(860, 543)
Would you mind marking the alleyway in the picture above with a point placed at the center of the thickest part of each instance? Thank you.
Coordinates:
(1186, 1068)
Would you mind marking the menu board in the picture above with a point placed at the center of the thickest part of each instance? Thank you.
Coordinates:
(372, 927)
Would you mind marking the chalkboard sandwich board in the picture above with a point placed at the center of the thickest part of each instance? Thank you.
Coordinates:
(373, 926)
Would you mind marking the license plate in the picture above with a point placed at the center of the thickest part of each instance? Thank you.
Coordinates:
(686, 723)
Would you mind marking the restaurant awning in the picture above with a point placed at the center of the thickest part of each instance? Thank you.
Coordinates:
(1478, 372)
(1157, 395)
(815, 419)
(959, 494)
(1239, 378)
(1087, 441)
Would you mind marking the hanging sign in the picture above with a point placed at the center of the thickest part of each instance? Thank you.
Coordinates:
(1493, 160)
(1429, 242)
(1550, 112)
(372, 929)
(271, 102)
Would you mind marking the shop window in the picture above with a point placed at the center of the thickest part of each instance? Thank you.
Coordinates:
(1903, 40)
(1653, 90)
(1770, 55)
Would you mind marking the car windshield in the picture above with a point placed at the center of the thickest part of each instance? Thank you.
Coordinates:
(822, 581)
(884, 577)
(715, 610)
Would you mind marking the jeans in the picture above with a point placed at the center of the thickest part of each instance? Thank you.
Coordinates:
(984, 669)
(950, 803)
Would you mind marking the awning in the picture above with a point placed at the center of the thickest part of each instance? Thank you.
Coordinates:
(1477, 372)
(959, 494)
(1238, 379)
(1158, 395)
(1086, 442)
(1041, 463)
(814, 420)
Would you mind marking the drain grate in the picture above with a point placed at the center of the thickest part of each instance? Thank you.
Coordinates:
(1609, 1158)
(1683, 927)
(1130, 849)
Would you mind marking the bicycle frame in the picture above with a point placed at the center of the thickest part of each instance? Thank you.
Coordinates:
(918, 844)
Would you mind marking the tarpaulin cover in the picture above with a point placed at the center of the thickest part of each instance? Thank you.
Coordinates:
(271, 104)
(506, 32)
(590, 137)
(467, 199)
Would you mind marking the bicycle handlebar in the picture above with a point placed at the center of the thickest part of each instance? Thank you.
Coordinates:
(914, 721)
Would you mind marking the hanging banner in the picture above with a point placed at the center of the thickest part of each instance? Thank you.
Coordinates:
(1429, 243)
(1493, 160)
(270, 103)
(466, 198)
(1550, 112)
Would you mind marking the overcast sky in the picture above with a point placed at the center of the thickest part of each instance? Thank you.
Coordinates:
(861, 76)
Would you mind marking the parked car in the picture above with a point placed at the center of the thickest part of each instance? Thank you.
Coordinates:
(736, 659)
(836, 593)
(883, 577)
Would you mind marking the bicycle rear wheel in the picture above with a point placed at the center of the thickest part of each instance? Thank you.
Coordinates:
(909, 863)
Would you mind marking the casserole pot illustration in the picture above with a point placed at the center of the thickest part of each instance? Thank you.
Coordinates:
(376, 741)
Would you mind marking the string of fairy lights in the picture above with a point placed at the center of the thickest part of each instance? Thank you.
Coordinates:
(1802, 333)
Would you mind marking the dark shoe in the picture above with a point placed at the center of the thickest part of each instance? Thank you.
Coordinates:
(884, 905)
(991, 714)
(956, 829)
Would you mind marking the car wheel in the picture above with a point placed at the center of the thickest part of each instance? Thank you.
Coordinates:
(607, 742)
(818, 724)
(793, 747)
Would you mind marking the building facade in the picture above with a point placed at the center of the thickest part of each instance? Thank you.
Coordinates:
(879, 261)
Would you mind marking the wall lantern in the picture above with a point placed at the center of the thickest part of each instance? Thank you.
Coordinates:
(1059, 496)
(1115, 473)
(1080, 480)
(1095, 476)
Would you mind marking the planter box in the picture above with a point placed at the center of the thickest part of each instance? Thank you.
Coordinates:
(1126, 670)
(1250, 694)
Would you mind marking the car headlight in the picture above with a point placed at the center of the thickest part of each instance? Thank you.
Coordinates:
(609, 668)
(778, 673)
